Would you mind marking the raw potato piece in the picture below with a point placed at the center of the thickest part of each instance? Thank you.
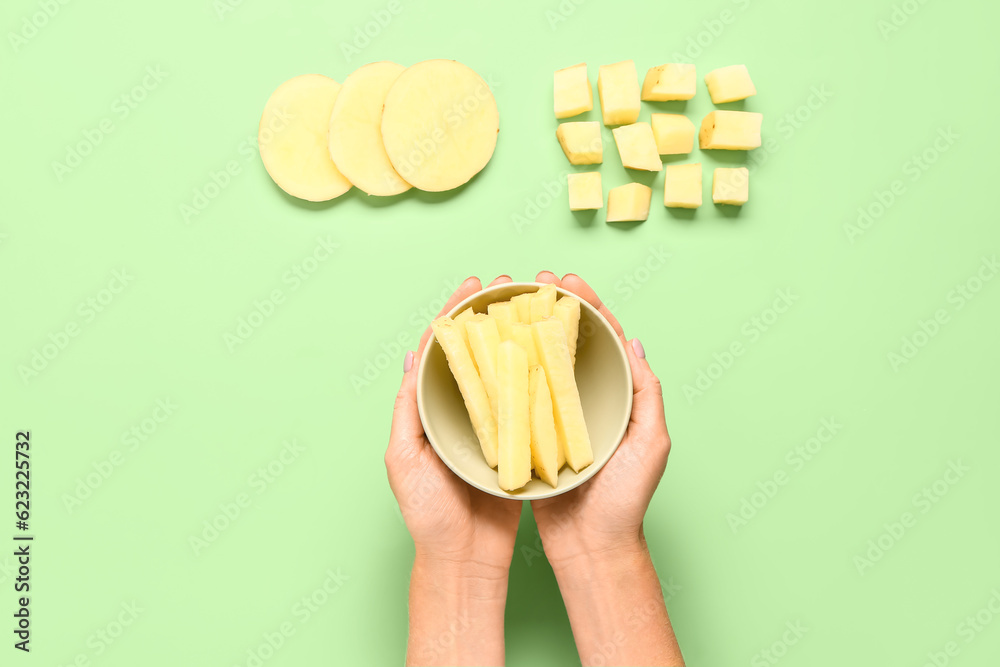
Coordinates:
(585, 192)
(682, 186)
(523, 337)
(544, 442)
(581, 142)
(729, 84)
(674, 133)
(523, 304)
(542, 302)
(505, 314)
(673, 81)
(439, 125)
(484, 339)
(462, 320)
(731, 130)
(294, 138)
(356, 134)
(477, 402)
(618, 88)
(567, 310)
(514, 440)
(573, 94)
(731, 186)
(629, 203)
(637, 147)
(567, 411)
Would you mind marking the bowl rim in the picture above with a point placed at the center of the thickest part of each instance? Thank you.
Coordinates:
(594, 467)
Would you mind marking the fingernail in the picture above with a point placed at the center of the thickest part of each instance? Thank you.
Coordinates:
(408, 362)
(638, 349)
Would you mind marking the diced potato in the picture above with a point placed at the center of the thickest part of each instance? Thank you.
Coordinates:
(581, 141)
(477, 402)
(729, 84)
(731, 130)
(674, 133)
(484, 338)
(618, 88)
(731, 186)
(682, 186)
(542, 302)
(462, 319)
(514, 439)
(673, 81)
(505, 314)
(523, 304)
(585, 191)
(544, 442)
(629, 202)
(439, 125)
(637, 147)
(522, 336)
(567, 310)
(567, 411)
(573, 94)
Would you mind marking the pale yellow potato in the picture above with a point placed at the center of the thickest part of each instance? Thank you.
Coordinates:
(544, 443)
(294, 138)
(585, 191)
(637, 147)
(729, 84)
(514, 430)
(484, 340)
(682, 186)
(673, 81)
(618, 89)
(674, 133)
(439, 125)
(731, 186)
(462, 319)
(505, 314)
(542, 302)
(523, 304)
(356, 130)
(567, 311)
(581, 141)
(477, 402)
(573, 94)
(629, 202)
(567, 411)
(521, 334)
(730, 130)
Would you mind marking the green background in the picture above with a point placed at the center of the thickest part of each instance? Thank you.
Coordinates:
(162, 337)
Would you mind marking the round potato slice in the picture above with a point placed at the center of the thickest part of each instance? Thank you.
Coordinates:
(294, 138)
(439, 124)
(356, 133)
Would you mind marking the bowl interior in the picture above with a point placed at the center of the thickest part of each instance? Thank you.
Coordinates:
(603, 376)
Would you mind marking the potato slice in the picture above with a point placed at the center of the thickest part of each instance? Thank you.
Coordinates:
(484, 340)
(567, 411)
(542, 302)
(439, 125)
(514, 440)
(462, 319)
(521, 334)
(294, 137)
(523, 304)
(505, 314)
(356, 130)
(567, 311)
(477, 402)
(544, 444)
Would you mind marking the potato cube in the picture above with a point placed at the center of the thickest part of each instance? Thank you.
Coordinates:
(731, 130)
(629, 202)
(637, 147)
(585, 191)
(513, 427)
(729, 84)
(673, 81)
(573, 94)
(673, 132)
(581, 141)
(731, 186)
(618, 88)
(682, 186)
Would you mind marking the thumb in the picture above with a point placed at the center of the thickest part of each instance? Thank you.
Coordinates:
(647, 395)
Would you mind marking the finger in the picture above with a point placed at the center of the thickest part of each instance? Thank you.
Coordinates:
(578, 286)
(647, 401)
(465, 290)
(547, 277)
(499, 280)
(407, 431)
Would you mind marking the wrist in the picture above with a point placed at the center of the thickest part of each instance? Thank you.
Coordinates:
(461, 575)
(571, 550)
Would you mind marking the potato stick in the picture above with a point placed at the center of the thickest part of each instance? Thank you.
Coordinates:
(514, 440)
(545, 459)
